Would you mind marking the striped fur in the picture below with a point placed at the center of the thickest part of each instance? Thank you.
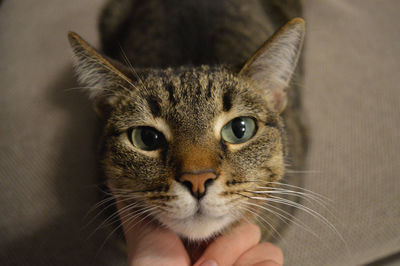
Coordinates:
(190, 78)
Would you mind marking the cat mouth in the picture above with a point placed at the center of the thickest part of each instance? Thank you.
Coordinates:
(198, 224)
(200, 213)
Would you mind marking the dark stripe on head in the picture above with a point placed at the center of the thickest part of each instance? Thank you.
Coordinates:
(227, 101)
(198, 92)
(171, 97)
(154, 105)
(209, 88)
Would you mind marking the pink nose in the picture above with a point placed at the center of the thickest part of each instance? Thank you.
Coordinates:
(197, 182)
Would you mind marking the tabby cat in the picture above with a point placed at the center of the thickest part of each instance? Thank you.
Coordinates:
(200, 115)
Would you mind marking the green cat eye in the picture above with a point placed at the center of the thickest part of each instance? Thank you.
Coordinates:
(146, 138)
(239, 130)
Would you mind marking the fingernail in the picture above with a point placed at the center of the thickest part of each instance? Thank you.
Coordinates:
(209, 263)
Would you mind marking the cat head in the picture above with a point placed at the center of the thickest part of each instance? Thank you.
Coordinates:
(187, 145)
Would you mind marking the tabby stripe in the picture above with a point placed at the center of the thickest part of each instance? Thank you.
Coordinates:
(227, 101)
(209, 86)
(154, 105)
(171, 97)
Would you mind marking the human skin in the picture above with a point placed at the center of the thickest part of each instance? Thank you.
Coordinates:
(149, 244)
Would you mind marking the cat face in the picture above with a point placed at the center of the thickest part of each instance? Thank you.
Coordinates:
(186, 146)
(188, 143)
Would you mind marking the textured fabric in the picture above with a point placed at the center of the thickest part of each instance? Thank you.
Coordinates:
(352, 100)
(47, 140)
(47, 164)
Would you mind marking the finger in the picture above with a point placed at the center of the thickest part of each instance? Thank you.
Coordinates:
(226, 249)
(149, 244)
(260, 253)
(158, 247)
(267, 263)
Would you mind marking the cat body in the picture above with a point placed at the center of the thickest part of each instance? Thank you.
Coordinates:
(192, 101)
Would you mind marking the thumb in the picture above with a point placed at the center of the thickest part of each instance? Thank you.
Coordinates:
(150, 244)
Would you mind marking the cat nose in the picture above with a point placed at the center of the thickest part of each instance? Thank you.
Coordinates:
(197, 182)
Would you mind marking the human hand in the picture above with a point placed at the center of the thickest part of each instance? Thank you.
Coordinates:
(240, 247)
(149, 244)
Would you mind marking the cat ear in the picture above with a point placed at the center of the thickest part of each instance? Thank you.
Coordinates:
(272, 66)
(99, 74)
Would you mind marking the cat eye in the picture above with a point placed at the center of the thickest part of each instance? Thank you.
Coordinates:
(239, 130)
(146, 138)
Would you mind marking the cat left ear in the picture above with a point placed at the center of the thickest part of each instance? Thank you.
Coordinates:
(272, 66)
(100, 75)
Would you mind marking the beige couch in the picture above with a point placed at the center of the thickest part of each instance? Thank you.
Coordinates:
(47, 141)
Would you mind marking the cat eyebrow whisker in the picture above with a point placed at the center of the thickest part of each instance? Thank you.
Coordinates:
(131, 66)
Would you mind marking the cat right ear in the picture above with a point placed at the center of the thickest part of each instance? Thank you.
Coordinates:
(272, 66)
(101, 77)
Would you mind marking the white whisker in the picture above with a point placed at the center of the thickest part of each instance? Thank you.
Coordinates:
(131, 66)
(263, 219)
(127, 221)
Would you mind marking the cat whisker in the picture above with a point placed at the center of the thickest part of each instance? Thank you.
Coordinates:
(310, 198)
(104, 201)
(306, 209)
(122, 195)
(129, 220)
(296, 187)
(302, 171)
(302, 191)
(98, 205)
(131, 66)
(151, 213)
(263, 220)
(115, 216)
(136, 191)
(279, 192)
(303, 195)
(281, 215)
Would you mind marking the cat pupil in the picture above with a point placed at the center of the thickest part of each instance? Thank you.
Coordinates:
(150, 137)
(239, 127)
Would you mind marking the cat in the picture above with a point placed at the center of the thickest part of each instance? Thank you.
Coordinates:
(200, 114)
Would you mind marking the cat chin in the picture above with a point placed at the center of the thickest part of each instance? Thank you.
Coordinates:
(198, 227)
(197, 221)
